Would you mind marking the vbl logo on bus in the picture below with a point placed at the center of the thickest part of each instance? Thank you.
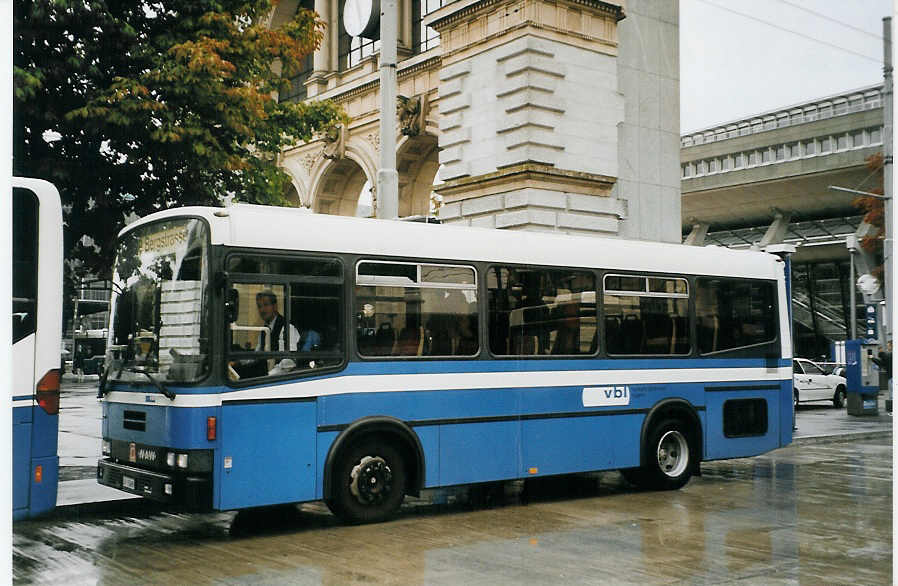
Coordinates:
(606, 396)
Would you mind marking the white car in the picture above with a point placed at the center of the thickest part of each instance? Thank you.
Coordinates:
(811, 384)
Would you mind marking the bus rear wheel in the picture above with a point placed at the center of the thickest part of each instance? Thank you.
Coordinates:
(669, 457)
(370, 482)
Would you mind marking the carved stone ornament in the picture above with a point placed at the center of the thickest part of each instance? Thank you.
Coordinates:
(334, 142)
(411, 112)
(308, 161)
(374, 139)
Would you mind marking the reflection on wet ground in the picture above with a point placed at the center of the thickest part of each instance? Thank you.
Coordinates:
(809, 513)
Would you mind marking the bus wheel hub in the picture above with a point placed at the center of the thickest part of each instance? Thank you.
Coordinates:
(371, 481)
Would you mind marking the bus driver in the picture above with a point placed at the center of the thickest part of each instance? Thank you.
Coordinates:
(305, 341)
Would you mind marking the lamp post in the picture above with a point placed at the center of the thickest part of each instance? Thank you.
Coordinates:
(887, 173)
(851, 244)
(361, 19)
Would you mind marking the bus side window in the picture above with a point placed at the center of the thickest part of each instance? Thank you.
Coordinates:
(302, 306)
(410, 310)
(734, 313)
(24, 263)
(538, 312)
(655, 315)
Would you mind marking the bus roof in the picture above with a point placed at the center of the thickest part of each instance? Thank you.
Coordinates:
(299, 229)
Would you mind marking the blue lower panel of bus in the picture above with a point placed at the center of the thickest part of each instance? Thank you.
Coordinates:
(586, 443)
(479, 452)
(21, 463)
(268, 454)
(274, 451)
(43, 493)
(35, 463)
(719, 446)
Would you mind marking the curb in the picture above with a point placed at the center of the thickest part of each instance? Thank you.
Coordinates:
(842, 437)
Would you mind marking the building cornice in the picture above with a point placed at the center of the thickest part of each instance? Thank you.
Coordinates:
(530, 174)
(406, 69)
(456, 11)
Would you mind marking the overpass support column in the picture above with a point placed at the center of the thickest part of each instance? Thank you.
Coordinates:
(697, 236)
(776, 233)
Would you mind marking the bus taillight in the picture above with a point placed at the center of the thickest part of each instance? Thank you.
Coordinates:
(48, 392)
(210, 428)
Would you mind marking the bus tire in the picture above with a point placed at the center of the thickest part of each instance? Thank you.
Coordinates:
(369, 482)
(669, 457)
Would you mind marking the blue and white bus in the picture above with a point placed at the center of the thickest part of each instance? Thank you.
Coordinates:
(36, 344)
(411, 356)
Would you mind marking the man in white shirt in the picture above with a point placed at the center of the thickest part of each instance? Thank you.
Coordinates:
(267, 304)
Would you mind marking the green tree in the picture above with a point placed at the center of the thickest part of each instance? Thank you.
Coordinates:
(132, 106)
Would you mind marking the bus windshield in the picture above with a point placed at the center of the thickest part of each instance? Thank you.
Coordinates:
(158, 304)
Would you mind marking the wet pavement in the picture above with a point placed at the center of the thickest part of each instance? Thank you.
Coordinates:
(815, 513)
(818, 511)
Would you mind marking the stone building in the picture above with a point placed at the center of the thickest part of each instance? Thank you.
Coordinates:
(555, 115)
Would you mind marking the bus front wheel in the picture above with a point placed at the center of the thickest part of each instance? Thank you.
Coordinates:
(669, 457)
(371, 482)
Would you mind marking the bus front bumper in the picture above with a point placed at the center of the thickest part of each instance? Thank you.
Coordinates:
(189, 492)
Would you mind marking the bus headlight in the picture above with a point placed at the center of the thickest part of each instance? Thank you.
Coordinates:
(106, 448)
(170, 459)
(182, 460)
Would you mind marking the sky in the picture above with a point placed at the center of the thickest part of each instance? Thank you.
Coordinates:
(733, 66)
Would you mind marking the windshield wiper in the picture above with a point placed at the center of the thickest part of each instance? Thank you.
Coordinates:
(156, 382)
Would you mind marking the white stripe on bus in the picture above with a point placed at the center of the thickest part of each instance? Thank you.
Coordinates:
(386, 383)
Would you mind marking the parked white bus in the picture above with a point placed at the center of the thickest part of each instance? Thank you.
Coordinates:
(36, 343)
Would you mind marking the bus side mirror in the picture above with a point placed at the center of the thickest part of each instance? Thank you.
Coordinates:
(232, 305)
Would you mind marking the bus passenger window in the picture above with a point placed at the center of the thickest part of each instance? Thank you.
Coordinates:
(646, 315)
(411, 309)
(538, 312)
(734, 313)
(24, 263)
(290, 326)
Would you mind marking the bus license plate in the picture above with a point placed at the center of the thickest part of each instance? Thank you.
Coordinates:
(127, 482)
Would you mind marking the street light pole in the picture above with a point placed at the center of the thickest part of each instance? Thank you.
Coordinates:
(387, 177)
(887, 173)
(852, 288)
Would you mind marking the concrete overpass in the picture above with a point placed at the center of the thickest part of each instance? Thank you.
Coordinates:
(764, 179)
(739, 175)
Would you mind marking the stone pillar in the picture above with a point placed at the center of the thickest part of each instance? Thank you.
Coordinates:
(404, 37)
(324, 59)
(529, 112)
(648, 69)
